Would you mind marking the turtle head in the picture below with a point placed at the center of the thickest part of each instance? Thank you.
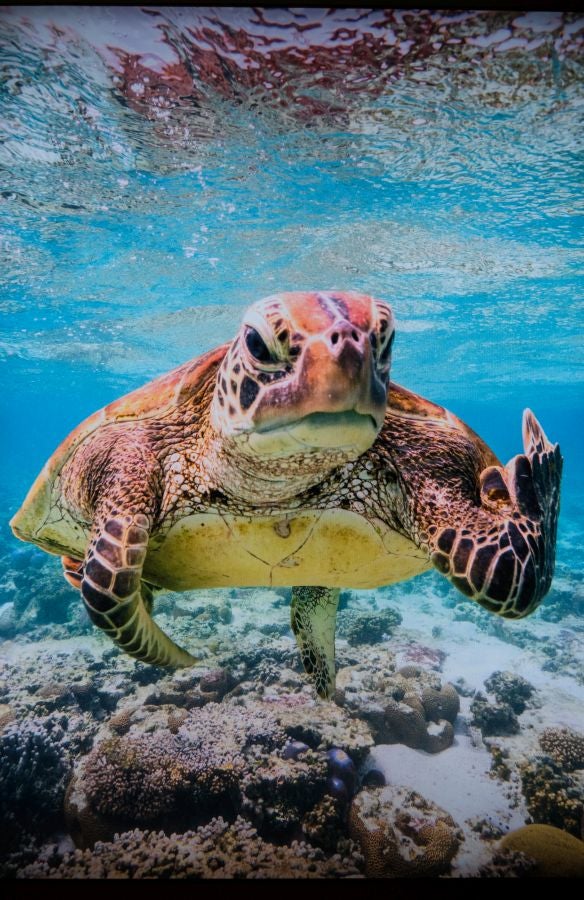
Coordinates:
(307, 375)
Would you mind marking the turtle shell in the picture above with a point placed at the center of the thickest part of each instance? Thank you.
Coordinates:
(150, 401)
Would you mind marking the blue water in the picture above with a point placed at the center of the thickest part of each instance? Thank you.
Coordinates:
(161, 169)
(130, 244)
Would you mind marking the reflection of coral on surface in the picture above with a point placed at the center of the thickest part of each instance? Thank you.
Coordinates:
(315, 67)
(401, 834)
(215, 850)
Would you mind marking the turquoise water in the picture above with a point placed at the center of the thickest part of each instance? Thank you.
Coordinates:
(161, 170)
(132, 238)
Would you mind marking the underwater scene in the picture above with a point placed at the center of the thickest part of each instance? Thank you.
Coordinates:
(374, 173)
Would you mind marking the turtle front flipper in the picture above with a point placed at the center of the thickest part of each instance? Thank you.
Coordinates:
(117, 599)
(313, 619)
(502, 553)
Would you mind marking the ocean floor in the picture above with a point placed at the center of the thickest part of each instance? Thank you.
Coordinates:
(449, 729)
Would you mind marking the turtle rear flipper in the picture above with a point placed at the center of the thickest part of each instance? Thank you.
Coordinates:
(502, 553)
(313, 618)
(116, 598)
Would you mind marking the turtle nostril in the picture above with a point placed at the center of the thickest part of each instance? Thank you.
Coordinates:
(355, 336)
(334, 337)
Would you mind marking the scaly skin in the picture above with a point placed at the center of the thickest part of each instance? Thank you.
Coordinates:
(249, 437)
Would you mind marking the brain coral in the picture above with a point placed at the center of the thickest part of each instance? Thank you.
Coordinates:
(401, 834)
(565, 746)
(215, 850)
(556, 853)
(441, 704)
(410, 707)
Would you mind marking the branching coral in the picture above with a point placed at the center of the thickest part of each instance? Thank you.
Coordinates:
(552, 797)
(139, 778)
(565, 746)
(216, 850)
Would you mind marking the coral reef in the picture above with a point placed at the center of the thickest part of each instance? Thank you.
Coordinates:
(555, 852)
(510, 689)
(215, 850)
(173, 768)
(507, 863)
(324, 825)
(167, 777)
(34, 771)
(216, 683)
(441, 704)
(493, 718)
(565, 746)
(410, 706)
(401, 834)
(277, 793)
(6, 714)
(367, 627)
(552, 797)
(323, 726)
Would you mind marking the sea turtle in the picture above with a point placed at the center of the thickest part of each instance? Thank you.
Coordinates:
(287, 458)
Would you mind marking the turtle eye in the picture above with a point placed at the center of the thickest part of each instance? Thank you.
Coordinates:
(257, 346)
(384, 355)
